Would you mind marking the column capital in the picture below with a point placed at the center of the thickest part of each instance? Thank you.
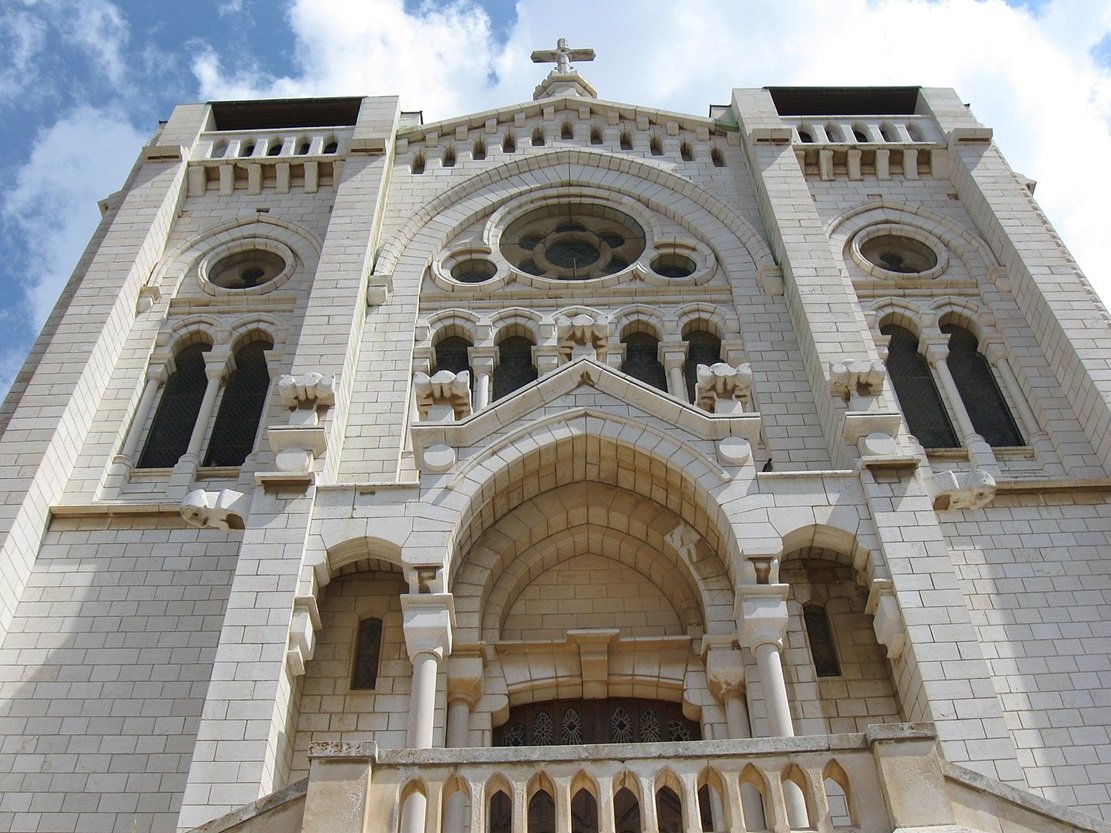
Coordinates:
(725, 671)
(466, 673)
(428, 620)
(672, 354)
(935, 348)
(217, 364)
(761, 611)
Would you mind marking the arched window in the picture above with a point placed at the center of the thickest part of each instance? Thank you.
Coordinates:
(626, 812)
(642, 360)
(918, 395)
(819, 634)
(702, 348)
(584, 813)
(177, 412)
(515, 368)
(541, 813)
(368, 648)
(669, 811)
(979, 391)
(452, 354)
(233, 434)
(499, 813)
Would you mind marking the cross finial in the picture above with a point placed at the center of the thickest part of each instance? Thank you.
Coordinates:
(563, 55)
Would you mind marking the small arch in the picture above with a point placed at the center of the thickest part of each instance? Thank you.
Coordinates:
(915, 132)
(478, 151)
(331, 145)
(686, 153)
(447, 158)
(889, 132)
(172, 427)
(566, 131)
(754, 792)
(836, 785)
(669, 810)
(916, 390)
(457, 800)
(248, 148)
(499, 810)
(515, 368)
(274, 146)
(642, 359)
(417, 165)
(304, 145)
(237, 420)
(795, 797)
(860, 133)
(584, 812)
(218, 150)
(833, 133)
(717, 157)
(414, 804)
(541, 806)
(711, 804)
(508, 143)
(595, 135)
(626, 808)
(819, 633)
(703, 347)
(538, 137)
(655, 145)
(806, 135)
(626, 140)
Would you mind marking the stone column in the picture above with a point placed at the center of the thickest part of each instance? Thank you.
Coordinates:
(429, 619)
(725, 671)
(464, 688)
(216, 368)
(157, 374)
(936, 350)
(762, 624)
(482, 363)
(673, 356)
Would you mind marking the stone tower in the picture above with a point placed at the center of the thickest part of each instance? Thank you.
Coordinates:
(571, 466)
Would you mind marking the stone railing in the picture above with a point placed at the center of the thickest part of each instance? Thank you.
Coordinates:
(889, 778)
(260, 145)
(839, 130)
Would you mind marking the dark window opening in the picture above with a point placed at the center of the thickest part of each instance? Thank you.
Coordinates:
(233, 434)
(702, 348)
(669, 811)
(584, 813)
(613, 720)
(515, 368)
(177, 411)
(452, 354)
(499, 814)
(979, 391)
(642, 360)
(918, 394)
(626, 812)
(368, 649)
(541, 813)
(819, 633)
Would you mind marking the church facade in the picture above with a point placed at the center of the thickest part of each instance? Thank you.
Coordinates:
(571, 466)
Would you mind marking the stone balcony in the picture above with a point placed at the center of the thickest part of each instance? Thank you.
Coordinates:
(887, 779)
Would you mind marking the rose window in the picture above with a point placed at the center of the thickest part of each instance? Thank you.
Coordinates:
(573, 242)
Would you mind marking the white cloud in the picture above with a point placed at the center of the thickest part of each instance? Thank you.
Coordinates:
(53, 202)
(98, 28)
(22, 35)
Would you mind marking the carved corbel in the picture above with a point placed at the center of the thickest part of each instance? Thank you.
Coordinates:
(444, 396)
(297, 444)
(581, 335)
(962, 490)
(725, 672)
(761, 612)
(302, 634)
(857, 378)
(723, 388)
(224, 510)
(887, 619)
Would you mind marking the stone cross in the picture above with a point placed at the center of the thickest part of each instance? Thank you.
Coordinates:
(563, 55)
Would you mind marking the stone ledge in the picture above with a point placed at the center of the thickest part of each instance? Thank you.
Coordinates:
(247, 812)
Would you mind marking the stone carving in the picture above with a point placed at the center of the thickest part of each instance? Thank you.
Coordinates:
(215, 510)
(723, 388)
(302, 634)
(562, 55)
(962, 490)
(444, 396)
(309, 389)
(862, 378)
(582, 335)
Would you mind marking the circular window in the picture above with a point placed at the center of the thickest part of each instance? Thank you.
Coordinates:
(572, 242)
(673, 266)
(246, 269)
(474, 270)
(895, 253)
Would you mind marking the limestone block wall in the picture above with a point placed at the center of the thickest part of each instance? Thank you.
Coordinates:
(1035, 575)
(105, 671)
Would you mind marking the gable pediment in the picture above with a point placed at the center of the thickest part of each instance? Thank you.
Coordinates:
(557, 399)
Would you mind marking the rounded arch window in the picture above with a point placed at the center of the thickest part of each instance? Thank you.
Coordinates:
(573, 241)
(474, 270)
(246, 269)
(674, 265)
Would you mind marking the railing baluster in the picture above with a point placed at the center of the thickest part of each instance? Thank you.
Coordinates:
(649, 819)
(692, 816)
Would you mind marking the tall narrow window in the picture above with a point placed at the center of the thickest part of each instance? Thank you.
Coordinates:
(626, 811)
(702, 348)
(584, 813)
(541, 813)
(452, 354)
(642, 360)
(918, 395)
(368, 648)
(499, 813)
(177, 411)
(669, 811)
(819, 634)
(233, 434)
(978, 389)
(515, 368)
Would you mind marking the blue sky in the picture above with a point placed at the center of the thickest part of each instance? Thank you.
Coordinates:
(83, 83)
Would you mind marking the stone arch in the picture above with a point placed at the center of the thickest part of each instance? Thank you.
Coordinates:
(902, 313)
(515, 321)
(720, 322)
(253, 327)
(453, 322)
(195, 329)
(465, 202)
(363, 548)
(639, 318)
(840, 545)
(964, 312)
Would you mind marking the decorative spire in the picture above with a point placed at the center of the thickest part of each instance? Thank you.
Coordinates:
(563, 79)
